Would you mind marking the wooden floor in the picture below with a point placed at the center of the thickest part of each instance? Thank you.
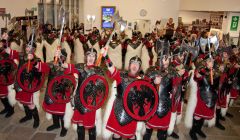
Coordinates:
(10, 129)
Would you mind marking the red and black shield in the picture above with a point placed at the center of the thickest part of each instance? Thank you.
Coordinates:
(61, 88)
(31, 81)
(140, 100)
(8, 70)
(93, 92)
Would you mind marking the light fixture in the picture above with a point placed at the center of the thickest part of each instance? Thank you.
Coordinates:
(91, 19)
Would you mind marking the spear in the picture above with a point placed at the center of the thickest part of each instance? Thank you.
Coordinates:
(210, 56)
(30, 46)
(62, 17)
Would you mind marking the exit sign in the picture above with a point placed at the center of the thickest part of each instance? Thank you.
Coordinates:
(234, 23)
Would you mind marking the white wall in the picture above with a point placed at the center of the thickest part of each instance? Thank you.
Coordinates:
(210, 5)
(189, 16)
(129, 9)
(17, 7)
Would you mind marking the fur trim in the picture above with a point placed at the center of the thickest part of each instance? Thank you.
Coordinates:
(20, 106)
(36, 99)
(145, 58)
(116, 56)
(15, 46)
(107, 134)
(78, 51)
(39, 52)
(68, 50)
(50, 50)
(68, 115)
(231, 102)
(224, 110)
(179, 117)
(99, 122)
(76, 77)
(172, 123)
(143, 131)
(140, 126)
(74, 126)
(192, 101)
(211, 123)
(48, 116)
(131, 53)
(11, 95)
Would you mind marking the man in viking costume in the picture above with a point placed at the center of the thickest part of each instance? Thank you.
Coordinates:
(30, 78)
(160, 77)
(223, 92)
(61, 86)
(115, 51)
(203, 97)
(79, 48)
(133, 48)
(148, 52)
(90, 95)
(224, 85)
(234, 76)
(9, 60)
(136, 100)
(178, 79)
(93, 40)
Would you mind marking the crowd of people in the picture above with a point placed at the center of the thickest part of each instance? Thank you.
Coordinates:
(153, 76)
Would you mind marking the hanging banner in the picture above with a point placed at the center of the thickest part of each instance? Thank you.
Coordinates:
(234, 23)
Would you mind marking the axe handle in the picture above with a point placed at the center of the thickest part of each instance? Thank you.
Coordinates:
(211, 76)
(98, 62)
(56, 58)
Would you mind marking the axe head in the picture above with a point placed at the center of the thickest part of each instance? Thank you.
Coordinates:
(214, 40)
(61, 15)
(119, 20)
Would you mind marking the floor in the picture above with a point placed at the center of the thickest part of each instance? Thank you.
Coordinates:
(10, 129)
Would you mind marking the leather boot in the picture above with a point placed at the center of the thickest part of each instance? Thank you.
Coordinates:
(193, 130)
(199, 128)
(28, 115)
(162, 134)
(218, 124)
(92, 133)
(63, 130)
(148, 134)
(5, 103)
(81, 132)
(55, 124)
(35, 117)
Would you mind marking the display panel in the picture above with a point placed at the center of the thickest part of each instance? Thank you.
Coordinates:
(107, 13)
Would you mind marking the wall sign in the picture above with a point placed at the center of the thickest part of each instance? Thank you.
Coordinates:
(234, 23)
(107, 13)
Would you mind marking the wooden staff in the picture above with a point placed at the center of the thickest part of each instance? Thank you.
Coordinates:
(99, 59)
(210, 56)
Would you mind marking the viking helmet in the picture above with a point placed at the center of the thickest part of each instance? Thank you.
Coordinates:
(136, 59)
